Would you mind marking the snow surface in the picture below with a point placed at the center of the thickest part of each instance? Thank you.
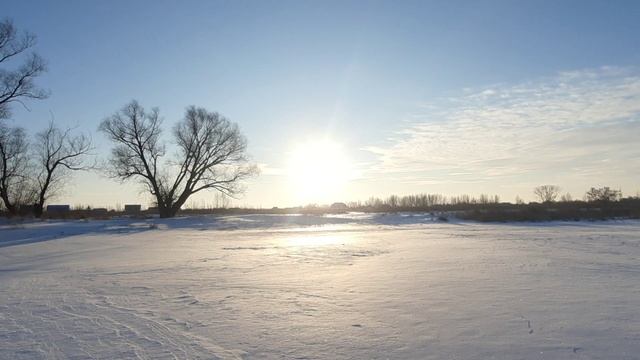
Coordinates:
(355, 286)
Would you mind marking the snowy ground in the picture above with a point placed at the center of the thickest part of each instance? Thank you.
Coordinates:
(313, 287)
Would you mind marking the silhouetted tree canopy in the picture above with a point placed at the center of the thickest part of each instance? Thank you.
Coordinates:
(14, 166)
(211, 154)
(17, 83)
(604, 194)
(32, 173)
(57, 153)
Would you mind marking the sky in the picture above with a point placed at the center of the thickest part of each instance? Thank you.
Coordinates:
(455, 97)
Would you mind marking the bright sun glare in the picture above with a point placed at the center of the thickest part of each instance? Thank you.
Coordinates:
(318, 171)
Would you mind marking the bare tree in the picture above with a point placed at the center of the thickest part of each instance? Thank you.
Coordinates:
(57, 154)
(14, 166)
(18, 84)
(211, 154)
(603, 194)
(547, 193)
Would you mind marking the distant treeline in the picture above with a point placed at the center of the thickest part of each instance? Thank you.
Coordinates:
(420, 202)
(597, 204)
(624, 208)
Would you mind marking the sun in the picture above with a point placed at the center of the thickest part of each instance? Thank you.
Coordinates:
(318, 171)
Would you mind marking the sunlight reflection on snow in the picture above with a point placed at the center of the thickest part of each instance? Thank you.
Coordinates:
(318, 240)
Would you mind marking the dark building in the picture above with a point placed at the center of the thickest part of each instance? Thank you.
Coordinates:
(58, 208)
(132, 208)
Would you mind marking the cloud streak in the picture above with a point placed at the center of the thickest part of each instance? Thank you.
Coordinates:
(563, 128)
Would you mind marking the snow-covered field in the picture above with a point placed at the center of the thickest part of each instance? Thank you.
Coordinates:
(313, 287)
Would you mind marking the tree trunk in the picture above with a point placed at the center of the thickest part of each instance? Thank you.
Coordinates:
(38, 209)
(12, 210)
(167, 209)
(176, 206)
(165, 212)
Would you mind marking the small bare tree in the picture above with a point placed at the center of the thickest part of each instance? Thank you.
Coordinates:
(14, 166)
(211, 154)
(57, 153)
(18, 84)
(547, 193)
(603, 194)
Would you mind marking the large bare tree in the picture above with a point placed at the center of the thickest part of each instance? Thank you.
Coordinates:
(15, 189)
(211, 154)
(17, 84)
(57, 153)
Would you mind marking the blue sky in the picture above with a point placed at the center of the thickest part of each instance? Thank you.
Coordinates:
(450, 97)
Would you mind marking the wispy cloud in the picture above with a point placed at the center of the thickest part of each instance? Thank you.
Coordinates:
(575, 124)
